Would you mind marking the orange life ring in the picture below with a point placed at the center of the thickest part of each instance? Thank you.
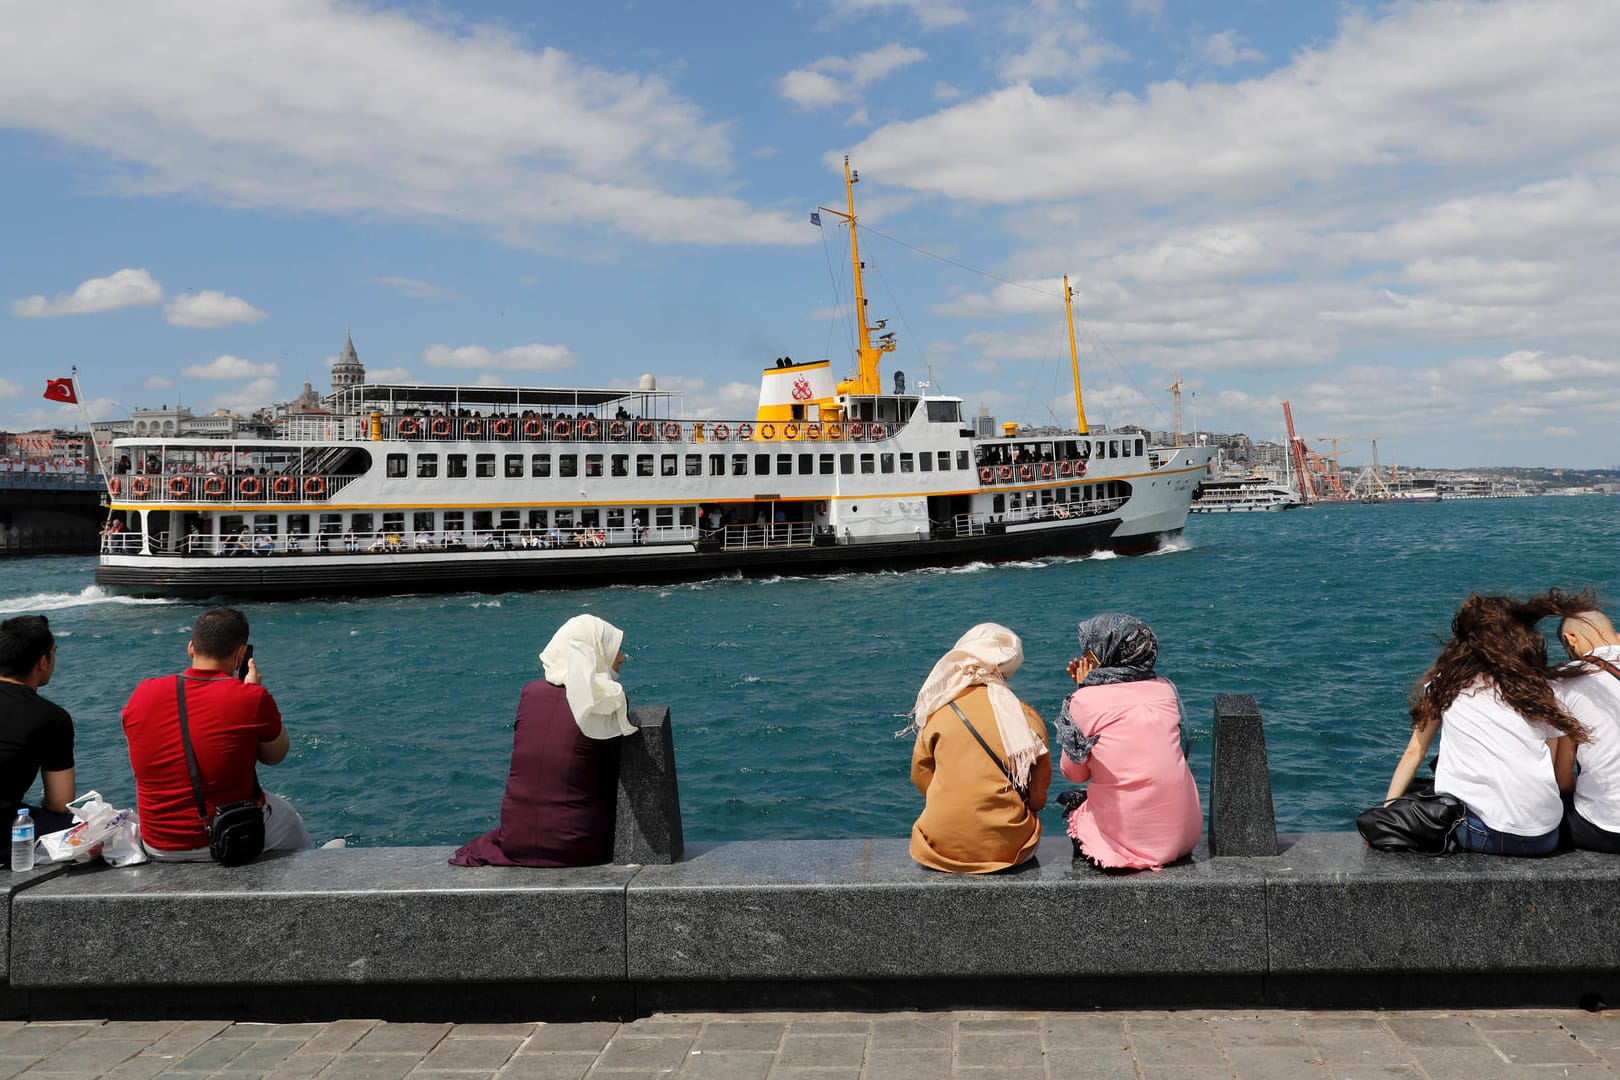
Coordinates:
(767, 431)
(745, 432)
(720, 433)
(1065, 468)
(283, 485)
(1047, 471)
(857, 430)
(408, 427)
(878, 431)
(813, 431)
(502, 428)
(672, 430)
(1079, 468)
(314, 485)
(1005, 472)
(114, 486)
(214, 486)
(618, 429)
(533, 428)
(588, 429)
(561, 429)
(472, 427)
(251, 486)
(644, 429)
(790, 432)
(987, 475)
(834, 431)
(179, 486)
(1025, 472)
(141, 487)
(439, 428)
(821, 507)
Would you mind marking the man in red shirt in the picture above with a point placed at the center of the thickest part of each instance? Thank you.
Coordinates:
(234, 726)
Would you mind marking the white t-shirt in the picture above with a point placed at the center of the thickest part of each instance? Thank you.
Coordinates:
(1594, 700)
(1498, 764)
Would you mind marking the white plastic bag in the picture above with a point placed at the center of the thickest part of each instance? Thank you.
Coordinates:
(97, 820)
(123, 847)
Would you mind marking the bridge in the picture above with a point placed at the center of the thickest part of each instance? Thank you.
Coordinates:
(49, 513)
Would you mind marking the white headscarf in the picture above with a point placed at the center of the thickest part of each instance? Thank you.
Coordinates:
(984, 656)
(579, 658)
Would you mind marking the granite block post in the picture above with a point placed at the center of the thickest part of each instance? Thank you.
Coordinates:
(1242, 820)
(647, 828)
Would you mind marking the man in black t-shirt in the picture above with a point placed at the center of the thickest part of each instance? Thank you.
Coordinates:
(36, 735)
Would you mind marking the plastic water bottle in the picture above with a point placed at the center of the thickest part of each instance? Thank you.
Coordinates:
(22, 841)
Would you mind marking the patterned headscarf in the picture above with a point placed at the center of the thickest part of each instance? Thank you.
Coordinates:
(984, 656)
(579, 658)
(1124, 647)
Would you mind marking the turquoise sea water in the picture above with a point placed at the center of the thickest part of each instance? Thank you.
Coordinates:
(786, 693)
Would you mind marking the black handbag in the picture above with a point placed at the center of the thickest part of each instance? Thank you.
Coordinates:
(235, 830)
(1418, 821)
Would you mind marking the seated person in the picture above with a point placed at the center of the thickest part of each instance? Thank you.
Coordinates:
(452, 539)
(263, 544)
(393, 541)
(493, 542)
(562, 786)
(578, 539)
(36, 734)
(351, 543)
(980, 798)
(1121, 735)
(378, 544)
(1590, 692)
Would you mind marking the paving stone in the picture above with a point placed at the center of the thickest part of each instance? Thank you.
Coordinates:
(1556, 1047)
(420, 1073)
(1373, 1072)
(1089, 1064)
(37, 1040)
(212, 1056)
(659, 1025)
(299, 1067)
(262, 1056)
(1548, 1072)
(140, 1067)
(908, 1064)
(1275, 1062)
(11, 1066)
(146, 1030)
(187, 1037)
(830, 1027)
(358, 1066)
(1180, 1048)
(1261, 1032)
(1360, 1048)
(589, 1036)
(637, 1052)
(999, 1051)
(254, 1029)
(1515, 1020)
(1000, 1025)
(485, 1054)
(1083, 1030)
(337, 1036)
(90, 1055)
(793, 1072)
(1001, 1074)
(1593, 1029)
(401, 1038)
(552, 1065)
(1462, 1063)
(821, 1051)
(742, 1035)
(1434, 1031)
(1181, 1072)
(492, 1031)
(912, 1034)
(1346, 1021)
(728, 1064)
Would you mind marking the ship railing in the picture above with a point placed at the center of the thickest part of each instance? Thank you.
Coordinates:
(1061, 511)
(387, 541)
(535, 429)
(757, 537)
(121, 543)
(324, 428)
(207, 488)
(1029, 472)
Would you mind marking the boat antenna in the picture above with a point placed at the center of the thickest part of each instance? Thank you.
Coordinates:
(1074, 359)
(868, 355)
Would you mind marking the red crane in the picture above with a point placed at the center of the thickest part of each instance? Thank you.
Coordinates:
(1297, 452)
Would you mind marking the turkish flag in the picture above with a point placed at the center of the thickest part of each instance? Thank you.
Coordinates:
(61, 390)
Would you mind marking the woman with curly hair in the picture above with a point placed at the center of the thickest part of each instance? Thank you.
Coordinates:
(1508, 749)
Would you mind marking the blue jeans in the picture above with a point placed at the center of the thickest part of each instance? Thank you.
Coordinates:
(1474, 835)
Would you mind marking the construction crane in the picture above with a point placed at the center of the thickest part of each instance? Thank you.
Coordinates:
(1175, 391)
(1373, 475)
(1297, 453)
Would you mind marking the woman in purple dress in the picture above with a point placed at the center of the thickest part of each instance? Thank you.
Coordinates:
(562, 788)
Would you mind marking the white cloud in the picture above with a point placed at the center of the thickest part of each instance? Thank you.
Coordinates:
(518, 358)
(416, 290)
(1053, 46)
(157, 382)
(930, 14)
(254, 395)
(9, 389)
(121, 289)
(208, 309)
(388, 375)
(342, 108)
(834, 80)
(230, 367)
(1229, 48)
(728, 401)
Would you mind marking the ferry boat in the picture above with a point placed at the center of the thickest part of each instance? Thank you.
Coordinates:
(1243, 495)
(406, 487)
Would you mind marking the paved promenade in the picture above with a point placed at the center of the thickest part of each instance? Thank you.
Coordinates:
(1262, 1045)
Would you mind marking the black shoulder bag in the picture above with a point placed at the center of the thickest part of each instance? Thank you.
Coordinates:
(1420, 821)
(236, 830)
(995, 757)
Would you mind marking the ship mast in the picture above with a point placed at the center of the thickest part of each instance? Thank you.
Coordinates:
(1074, 359)
(867, 355)
(1175, 391)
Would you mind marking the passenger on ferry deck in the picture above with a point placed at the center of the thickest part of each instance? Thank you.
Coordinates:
(422, 541)
(1121, 735)
(351, 543)
(562, 786)
(1591, 694)
(980, 797)
(1509, 746)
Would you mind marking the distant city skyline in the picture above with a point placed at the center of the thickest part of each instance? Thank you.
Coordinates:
(1400, 217)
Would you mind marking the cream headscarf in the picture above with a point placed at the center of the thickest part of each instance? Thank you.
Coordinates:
(579, 658)
(984, 656)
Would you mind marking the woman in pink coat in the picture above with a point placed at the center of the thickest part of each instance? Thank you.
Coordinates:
(1121, 736)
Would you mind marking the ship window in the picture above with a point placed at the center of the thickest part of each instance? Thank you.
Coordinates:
(482, 521)
(427, 464)
(538, 519)
(717, 464)
(826, 464)
(590, 519)
(565, 519)
(664, 517)
(1046, 497)
(644, 464)
(593, 464)
(567, 464)
(1017, 500)
(694, 464)
(396, 465)
(514, 466)
(784, 464)
(868, 464)
(455, 465)
(688, 516)
(739, 464)
(331, 523)
(669, 465)
(485, 464)
(394, 521)
(422, 521)
(540, 465)
(846, 464)
(762, 464)
(907, 464)
(298, 526)
(924, 461)
(620, 465)
(888, 462)
(999, 505)
(807, 464)
(453, 520)
(1138, 447)
(615, 518)
(962, 459)
(943, 412)
(360, 523)
(1113, 448)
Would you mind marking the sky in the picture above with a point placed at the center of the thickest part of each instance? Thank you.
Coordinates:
(1400, 217)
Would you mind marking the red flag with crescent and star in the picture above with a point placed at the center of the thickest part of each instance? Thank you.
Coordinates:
(61, 390)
